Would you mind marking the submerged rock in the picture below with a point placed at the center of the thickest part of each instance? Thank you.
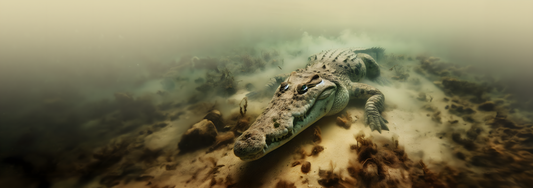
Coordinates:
(202, 134)
(216, 117)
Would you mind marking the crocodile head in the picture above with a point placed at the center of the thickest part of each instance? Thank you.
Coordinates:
(301, 100)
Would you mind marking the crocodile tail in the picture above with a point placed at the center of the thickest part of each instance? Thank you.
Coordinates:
(373, 71)
(375, 52)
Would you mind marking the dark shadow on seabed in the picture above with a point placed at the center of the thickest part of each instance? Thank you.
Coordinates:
(253, 173)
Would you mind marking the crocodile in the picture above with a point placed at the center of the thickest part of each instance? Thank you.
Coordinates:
(330, 79)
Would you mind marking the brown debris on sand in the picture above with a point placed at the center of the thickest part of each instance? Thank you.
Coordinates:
(501, 148)
(505, 154)
(389, 166)
(306, 167)
(345, 120)
(317, 135)
(436, 115)
(285, 184)
(330, 178)
(430, 177)
(316, 150)
(370, 166)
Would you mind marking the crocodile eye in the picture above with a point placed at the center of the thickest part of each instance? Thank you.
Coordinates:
(303, 89)
(284, 86)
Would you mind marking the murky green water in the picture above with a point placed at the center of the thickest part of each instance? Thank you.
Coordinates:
(152, 95)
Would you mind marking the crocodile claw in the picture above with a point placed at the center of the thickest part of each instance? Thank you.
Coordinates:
(376, 122)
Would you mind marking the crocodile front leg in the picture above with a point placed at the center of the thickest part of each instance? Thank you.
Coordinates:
(374, 105)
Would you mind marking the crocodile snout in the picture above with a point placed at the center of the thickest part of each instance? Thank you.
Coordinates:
(250, 145)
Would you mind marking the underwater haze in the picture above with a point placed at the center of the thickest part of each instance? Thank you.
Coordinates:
(137, 94)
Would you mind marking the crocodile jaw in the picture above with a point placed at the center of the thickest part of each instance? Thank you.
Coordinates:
(263, 138)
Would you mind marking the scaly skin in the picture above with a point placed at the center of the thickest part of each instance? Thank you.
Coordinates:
(323, 88)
